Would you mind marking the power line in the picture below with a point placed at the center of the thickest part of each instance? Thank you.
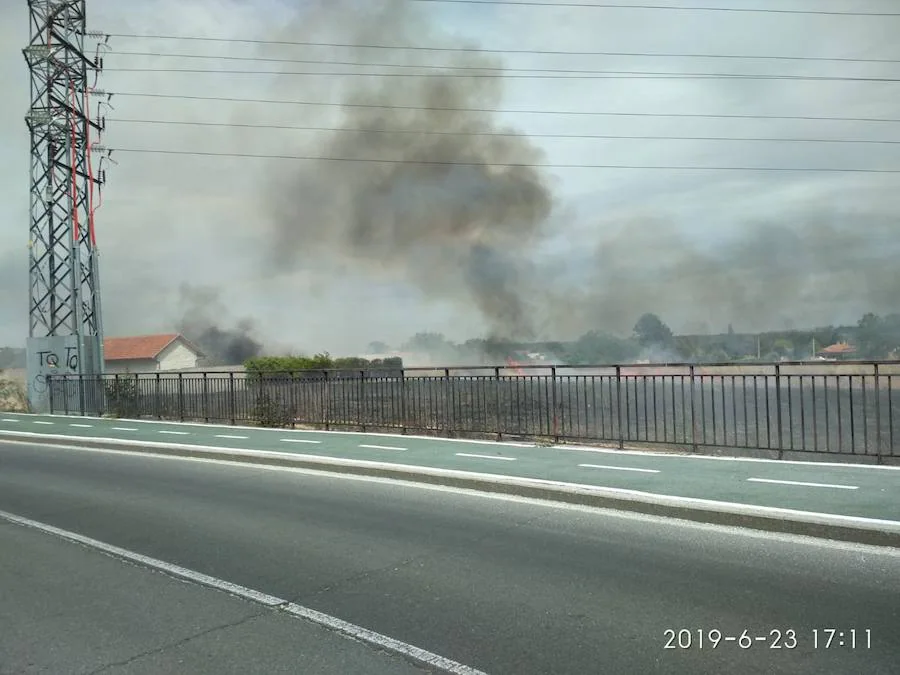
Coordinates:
(680, 8)
(429, 132)
(227, 99)
(373, 160)
(598, 75)
(464, 50)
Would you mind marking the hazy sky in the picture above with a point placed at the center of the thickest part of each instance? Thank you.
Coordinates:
(325, 256)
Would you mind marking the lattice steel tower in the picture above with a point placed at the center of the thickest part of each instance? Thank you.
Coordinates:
(65, 330)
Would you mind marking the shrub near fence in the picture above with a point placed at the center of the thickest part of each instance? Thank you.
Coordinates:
(832, 408)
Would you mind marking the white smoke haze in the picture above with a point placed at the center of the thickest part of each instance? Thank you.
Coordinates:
(333, 255)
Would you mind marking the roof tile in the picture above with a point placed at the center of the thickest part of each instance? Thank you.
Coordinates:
(141, 347)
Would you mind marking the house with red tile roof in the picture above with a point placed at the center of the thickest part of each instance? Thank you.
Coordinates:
(840, 350)
(150, 353)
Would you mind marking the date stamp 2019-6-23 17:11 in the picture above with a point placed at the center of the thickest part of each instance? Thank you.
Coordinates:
(775, 638)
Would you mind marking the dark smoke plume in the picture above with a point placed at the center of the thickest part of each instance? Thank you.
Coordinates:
(202, 310)
(445, 217)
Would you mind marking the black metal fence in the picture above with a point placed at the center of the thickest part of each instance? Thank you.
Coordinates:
(841, 408)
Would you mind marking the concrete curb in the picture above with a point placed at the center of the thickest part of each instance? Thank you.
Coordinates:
(769, 519)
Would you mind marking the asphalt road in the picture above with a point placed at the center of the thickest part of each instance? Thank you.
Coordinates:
(503, 585)
(70, 609)
(865, 491)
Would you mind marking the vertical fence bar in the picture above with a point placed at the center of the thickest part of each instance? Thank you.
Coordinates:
(840, 417)
(497, 402)
(619, 405)
(205, 397)
(815, 415)
(852, 416)
(693, 410)
(778, 410)
(802, 415)
(231, 411)
(878, 455)
(553, 404)
(865, 414)
(181, 397)
(448, 403)
(703, 406)
(156, 396)
(827, 413)
(890, 379)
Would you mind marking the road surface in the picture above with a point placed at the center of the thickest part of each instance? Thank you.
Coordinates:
(503, 585)
(866, 491)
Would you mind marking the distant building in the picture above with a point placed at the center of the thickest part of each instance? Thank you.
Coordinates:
(838, 351)
(150, 353)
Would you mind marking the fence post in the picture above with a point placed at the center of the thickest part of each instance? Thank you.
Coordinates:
(361, 399)
(448, 393)
(403, 411)
(81, 395)
(878, 456)
(65, 381)
(497, 402)
(325, 400)
(554, 402)
(48, 381)
(619, 406)
(156, 396)
(205, 397)
(778, 410)
(231, 412)
(181, 396)
(693, 377)
(292, 388)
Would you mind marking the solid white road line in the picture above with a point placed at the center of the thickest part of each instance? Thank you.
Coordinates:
(617, 468)
(123, 429)
(298, 440)
(241, 438)
(381, 447)
(505, 459)
(801, 483)
(176, 433)
(42, 422)
(351, 630)
(83, 426)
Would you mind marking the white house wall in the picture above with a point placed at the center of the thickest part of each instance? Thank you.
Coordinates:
(131, 366)
(177, 356)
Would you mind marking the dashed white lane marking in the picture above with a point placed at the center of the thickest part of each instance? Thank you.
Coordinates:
(124, 429)
(176, 433)
(617, 468)
(299, 440)
(381, 447)
(240, 438)
(83, 426)
(9, 420)
(45, 423)
(351, 630)
(505, 459)
(802, 484)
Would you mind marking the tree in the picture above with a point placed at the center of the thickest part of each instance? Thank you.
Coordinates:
(651, 331)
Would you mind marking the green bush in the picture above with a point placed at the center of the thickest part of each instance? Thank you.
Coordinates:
(122, 397)
(269, 413)
(287, 364)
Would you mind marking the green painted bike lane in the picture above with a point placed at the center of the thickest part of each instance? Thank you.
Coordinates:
(846, 489)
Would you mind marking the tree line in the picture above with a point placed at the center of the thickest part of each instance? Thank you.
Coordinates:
(873, 338)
